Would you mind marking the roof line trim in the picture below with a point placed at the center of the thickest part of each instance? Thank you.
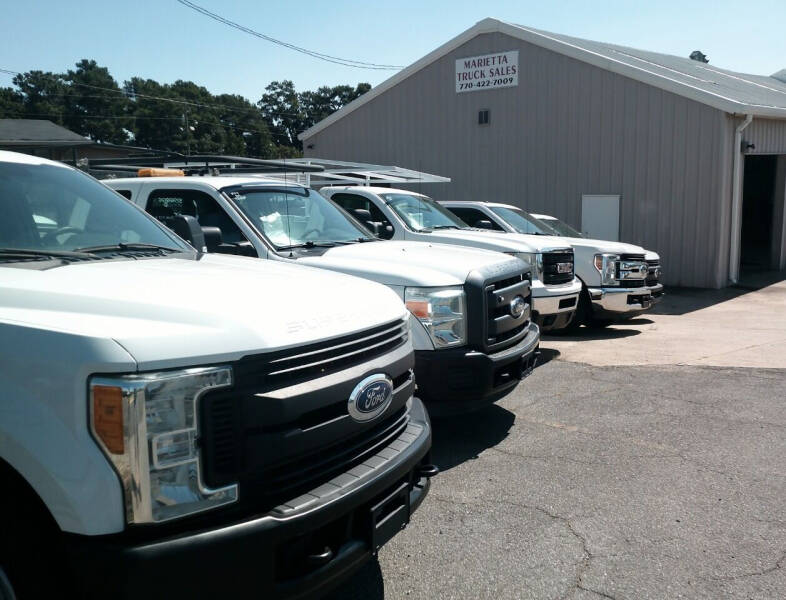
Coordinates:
(490, 25)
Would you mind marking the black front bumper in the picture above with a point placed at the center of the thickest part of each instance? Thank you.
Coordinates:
(459, 380)
(266, 556)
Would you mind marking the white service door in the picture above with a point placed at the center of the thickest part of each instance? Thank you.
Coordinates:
(600, 217)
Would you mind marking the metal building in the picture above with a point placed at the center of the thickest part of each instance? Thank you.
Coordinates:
(672, 153)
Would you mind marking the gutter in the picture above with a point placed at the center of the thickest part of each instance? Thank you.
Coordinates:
(736, 202)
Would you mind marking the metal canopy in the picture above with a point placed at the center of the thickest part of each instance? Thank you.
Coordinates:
(316, 172)
(201, 164)
(337, 172)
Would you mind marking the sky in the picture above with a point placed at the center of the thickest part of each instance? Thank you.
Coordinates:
(166, 41)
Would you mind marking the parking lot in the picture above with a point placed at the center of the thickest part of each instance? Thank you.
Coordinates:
(647, 461)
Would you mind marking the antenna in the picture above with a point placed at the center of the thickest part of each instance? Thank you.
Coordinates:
(286, 204)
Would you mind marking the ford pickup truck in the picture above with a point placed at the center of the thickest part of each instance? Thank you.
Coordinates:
(175, 424)
(473, 332)
(619, 280)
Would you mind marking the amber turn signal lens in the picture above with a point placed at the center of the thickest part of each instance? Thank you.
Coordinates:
(108, 417)
(419, 308)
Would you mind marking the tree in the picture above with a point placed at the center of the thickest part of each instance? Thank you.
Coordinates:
(289, 113)
(96, 107)
(12, 104)
(282, 111)
(327, 100)
(42, 95)
(155, 123)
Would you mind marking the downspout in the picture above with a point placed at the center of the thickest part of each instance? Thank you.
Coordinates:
(736, 202)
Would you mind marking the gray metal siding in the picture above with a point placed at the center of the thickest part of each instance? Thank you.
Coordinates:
(768, 135)
(567, 129)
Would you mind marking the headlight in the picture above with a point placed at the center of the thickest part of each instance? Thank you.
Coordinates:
(442, 311)
(147, 425)
(606, 264)
(536, 262)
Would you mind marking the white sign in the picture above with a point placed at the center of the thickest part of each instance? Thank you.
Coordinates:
(487, 72)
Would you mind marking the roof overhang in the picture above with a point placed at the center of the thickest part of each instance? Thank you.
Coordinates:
(542, 39)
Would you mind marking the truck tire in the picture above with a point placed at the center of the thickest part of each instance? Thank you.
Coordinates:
(31, 563)
(6, 590)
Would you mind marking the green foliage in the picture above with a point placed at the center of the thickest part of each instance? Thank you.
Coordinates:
(288, 112)
(89, 101)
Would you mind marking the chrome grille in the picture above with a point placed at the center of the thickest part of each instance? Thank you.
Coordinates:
(653, 276)
(558, 267)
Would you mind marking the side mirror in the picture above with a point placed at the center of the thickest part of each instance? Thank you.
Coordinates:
(484, 224)
(386, 232)
(213, 238)
(373, 226)
(187, 227)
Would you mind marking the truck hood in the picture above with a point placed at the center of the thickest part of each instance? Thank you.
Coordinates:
(479, 238)
(407, 263)
(603, 245)
(175, 312)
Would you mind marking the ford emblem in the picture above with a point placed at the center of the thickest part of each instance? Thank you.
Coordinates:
(370, 397)
(517, 306)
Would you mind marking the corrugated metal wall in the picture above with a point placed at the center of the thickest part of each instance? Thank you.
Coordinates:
(768, 135)
(567, 129)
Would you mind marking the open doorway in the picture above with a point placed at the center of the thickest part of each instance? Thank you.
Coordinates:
(758, 201)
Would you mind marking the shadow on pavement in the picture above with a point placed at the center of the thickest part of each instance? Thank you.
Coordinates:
(594, 333)
(638, 321)
(366, 584)
(461, 438)
(547, 355)
(679, 301)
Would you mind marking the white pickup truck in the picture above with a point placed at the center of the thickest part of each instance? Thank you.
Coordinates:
(403, 215)
(474, 338)
(619, 280)
(181, 425)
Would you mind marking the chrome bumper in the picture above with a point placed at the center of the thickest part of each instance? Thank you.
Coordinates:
(552, 305)
(620, 301)
(657, 292)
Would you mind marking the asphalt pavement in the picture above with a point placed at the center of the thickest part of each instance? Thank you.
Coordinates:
(595, 481)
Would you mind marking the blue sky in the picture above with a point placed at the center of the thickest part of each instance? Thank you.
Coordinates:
(164, 40)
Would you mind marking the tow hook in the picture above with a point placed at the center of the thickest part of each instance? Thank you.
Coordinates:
(321, 558)
(428, 471)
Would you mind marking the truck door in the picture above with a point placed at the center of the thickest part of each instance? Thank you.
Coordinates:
(222, 234)
(368, 213)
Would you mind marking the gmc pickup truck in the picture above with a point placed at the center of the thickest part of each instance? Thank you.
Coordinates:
(175, 424)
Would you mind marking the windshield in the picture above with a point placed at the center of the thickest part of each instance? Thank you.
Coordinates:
(521, 221)
(561, 228)
(47, 208)
(296, 217)
(422, 213)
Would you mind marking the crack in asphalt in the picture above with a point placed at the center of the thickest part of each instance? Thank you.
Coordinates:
(587, 555)
(778, 565)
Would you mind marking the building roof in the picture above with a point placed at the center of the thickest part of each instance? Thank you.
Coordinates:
(729, 91)
(38, 132)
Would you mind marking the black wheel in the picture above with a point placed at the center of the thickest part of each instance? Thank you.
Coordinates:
(29, 538)
(6, 589)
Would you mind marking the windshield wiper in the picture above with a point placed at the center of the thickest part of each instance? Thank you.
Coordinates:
(25, 253)
(308, 244)
(445, 227)
(122, 246)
